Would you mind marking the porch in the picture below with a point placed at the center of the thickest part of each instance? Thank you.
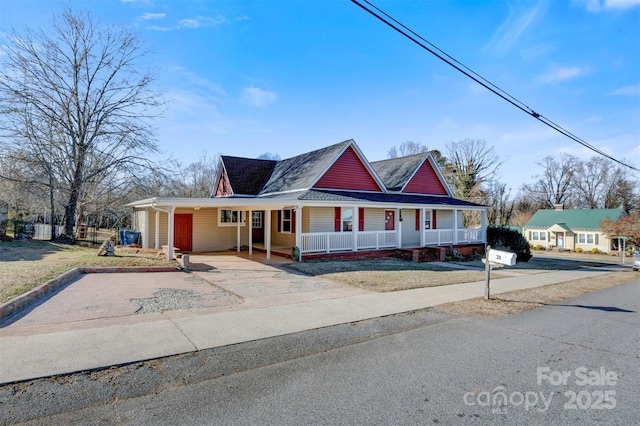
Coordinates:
(328, 242)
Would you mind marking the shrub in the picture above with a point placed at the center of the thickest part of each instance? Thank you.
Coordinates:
(579, 250)
(595, 250)
(501, 238)
(539, 247)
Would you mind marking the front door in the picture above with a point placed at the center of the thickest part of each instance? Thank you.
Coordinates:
(389, 220)
(560, 240)
(257, 223)
(183, 227)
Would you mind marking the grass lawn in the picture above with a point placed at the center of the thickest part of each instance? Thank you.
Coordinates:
(29, 263)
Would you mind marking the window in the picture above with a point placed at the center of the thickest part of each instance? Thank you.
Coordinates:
(347, 220)
(230, 218)
(286, 221)
(536, 236)
(256, 219)
(587, 239)
(543, 236)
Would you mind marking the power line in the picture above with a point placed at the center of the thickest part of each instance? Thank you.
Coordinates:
(449, 60)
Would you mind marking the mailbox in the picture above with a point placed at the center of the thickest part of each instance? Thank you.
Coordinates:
(502, 257)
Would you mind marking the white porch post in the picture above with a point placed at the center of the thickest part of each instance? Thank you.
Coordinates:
(238, 231)
(157, 239)
(299, 229)
(355, 229)
(267, 232)
(170, 231)
(423, 218)
(399, 227)
(484, 226)
(145, 239)
(455, 226)
(250, 220)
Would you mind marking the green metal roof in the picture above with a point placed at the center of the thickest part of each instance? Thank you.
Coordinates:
(573, 219)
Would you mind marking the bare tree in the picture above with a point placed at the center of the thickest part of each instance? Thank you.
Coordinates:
(79, 84)
(269, 156)
(501, 208)
(622, 190)
(591, 181)
(472, 164)
(197, 179)
(407, 148)
(554, 185)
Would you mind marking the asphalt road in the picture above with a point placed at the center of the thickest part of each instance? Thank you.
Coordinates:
(572, 363)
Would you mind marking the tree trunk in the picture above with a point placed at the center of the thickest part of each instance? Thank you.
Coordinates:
(53, 206)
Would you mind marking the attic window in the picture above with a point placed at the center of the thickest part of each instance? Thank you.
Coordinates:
(230, 218)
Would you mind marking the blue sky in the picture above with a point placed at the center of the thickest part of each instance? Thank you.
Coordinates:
(286, 77)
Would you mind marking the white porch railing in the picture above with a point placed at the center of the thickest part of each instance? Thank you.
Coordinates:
(440, 237)
(373, 240)
(470, 235)
(343, 241)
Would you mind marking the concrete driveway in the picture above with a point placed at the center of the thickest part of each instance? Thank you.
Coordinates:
(219, 282)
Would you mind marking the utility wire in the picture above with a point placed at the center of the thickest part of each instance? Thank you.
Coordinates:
(449, 60)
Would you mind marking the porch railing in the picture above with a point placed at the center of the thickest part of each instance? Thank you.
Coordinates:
(343, 241)
(470, 235)
(373, 240)
(437, 237)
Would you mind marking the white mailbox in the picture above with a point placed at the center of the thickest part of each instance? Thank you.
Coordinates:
(502, 257)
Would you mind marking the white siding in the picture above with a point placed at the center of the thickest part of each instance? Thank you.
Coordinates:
(410, 237)
(373, 219)
(140, 225)
(320, 219)
(444, 219)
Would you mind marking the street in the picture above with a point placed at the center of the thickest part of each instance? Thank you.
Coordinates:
(571, 363)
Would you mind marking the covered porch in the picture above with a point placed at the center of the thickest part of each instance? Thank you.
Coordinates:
(302, 228)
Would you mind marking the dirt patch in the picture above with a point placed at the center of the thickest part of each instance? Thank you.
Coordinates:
(25, 265)
(522, 300)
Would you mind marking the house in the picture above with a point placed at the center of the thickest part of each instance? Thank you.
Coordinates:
(331, 200)
(570, 229)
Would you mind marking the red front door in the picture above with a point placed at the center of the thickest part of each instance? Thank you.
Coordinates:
(183, 227)
(389, 220)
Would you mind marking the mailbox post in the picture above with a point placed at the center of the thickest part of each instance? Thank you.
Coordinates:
(496, 258)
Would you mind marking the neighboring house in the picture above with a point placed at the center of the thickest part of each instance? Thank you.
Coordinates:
(325, 201)
(570, 229)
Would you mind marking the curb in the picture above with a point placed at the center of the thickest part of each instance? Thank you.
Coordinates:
(14, 305)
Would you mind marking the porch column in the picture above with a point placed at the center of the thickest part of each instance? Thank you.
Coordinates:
(354, 228)
(299, 229)
(238, 231)
(423, 218)
(145, 239)
(399, 227)
(170, 231)
(484, 226)
(455, 226)
(250, 220)
(267, 232)
(157, 239)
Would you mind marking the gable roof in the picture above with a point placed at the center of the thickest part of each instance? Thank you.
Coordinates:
(585, 219)
(305, 170)
(246, 176)
(396, 172)
(302, 171)
(413, 174)
(350, 171)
